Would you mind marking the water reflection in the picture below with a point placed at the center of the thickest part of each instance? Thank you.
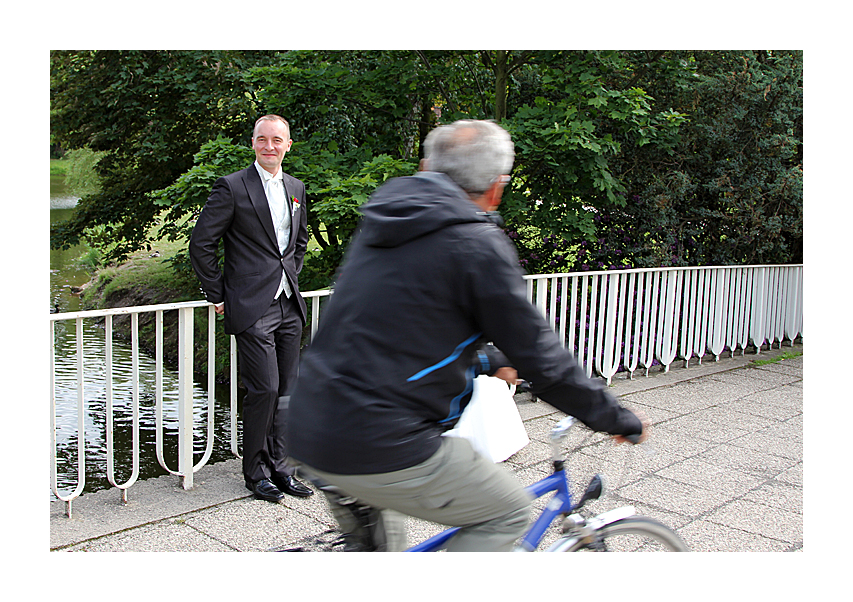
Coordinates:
(95, 411)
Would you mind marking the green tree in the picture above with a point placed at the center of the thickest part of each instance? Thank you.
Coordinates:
(503, 64)
(349, 107)
(563, 109)
(731, 190)
(580, 116)
(623, 158)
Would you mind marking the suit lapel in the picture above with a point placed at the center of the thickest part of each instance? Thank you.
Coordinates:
(258, 198)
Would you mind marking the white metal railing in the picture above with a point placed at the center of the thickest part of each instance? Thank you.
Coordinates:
(609, 320)
(633, 318)
(186, 467)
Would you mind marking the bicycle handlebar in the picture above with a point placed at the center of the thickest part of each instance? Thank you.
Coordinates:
(525, 386)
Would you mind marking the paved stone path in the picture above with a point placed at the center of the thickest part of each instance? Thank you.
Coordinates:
(723, 467)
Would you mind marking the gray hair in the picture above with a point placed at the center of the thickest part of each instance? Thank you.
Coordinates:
(474, 154)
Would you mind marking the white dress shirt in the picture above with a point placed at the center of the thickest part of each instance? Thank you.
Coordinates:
(280, 212)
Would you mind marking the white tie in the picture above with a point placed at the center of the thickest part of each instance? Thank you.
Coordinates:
(281, 221)
(281, 215)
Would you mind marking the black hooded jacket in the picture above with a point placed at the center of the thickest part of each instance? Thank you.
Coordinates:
(426, 282)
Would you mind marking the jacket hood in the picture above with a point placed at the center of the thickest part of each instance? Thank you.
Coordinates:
(407, 208)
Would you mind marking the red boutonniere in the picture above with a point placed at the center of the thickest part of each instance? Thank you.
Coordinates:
(295, 204)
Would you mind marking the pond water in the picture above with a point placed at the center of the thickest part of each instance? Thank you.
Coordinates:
(65, 273)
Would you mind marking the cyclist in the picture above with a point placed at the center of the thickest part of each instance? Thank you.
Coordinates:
(426, 281)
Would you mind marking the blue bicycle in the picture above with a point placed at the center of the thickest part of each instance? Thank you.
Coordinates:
(618, 530)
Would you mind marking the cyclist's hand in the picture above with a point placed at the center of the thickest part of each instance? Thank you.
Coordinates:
(508, 374)
(635, 438)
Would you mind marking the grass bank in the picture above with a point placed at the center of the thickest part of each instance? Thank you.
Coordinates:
(58, 167)
(147, 278)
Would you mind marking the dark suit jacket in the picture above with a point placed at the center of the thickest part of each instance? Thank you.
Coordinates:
(237, 211)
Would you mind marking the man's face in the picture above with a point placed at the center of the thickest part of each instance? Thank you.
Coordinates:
(270, 142)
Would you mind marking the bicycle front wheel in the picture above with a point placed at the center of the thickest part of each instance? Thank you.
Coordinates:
(632, 534)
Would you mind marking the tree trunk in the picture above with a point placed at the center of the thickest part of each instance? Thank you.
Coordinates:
(499, 66)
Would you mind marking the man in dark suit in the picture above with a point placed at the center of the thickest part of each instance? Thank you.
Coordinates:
(259, 214)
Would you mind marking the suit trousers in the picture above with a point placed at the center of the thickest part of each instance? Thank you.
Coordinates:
(456, 487)
(268, 356)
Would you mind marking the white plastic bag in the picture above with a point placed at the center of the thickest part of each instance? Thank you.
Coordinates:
(491, 421)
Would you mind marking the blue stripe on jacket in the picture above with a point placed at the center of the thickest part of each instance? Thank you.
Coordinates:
(449, 359)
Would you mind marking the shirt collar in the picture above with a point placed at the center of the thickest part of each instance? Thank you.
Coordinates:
(265, 175)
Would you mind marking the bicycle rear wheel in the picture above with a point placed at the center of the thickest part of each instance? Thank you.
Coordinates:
(632, 534)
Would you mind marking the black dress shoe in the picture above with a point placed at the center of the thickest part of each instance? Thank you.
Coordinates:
(265, 490)
(291, 486)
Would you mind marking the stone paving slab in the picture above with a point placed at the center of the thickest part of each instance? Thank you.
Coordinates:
(724, 467)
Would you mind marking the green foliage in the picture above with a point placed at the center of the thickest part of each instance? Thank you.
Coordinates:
(346, 109)
(623, 158)
(730, 191)
(337, 207)
(188, 194)
(542, 253)
(569, 136)
(339, 196)
(357, 119)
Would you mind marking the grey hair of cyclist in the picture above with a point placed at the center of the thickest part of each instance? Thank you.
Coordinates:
(474, 154)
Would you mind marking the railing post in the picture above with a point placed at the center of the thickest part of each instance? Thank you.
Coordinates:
(655, 321)
(185, 395)
(759, 309)
(233, 396)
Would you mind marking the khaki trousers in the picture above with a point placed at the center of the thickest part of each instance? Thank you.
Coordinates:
(455, 487)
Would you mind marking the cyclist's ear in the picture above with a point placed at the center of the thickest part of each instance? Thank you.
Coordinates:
(489, 200)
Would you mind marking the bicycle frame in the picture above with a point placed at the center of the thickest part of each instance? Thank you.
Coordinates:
(578, 531)
(561, 503)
